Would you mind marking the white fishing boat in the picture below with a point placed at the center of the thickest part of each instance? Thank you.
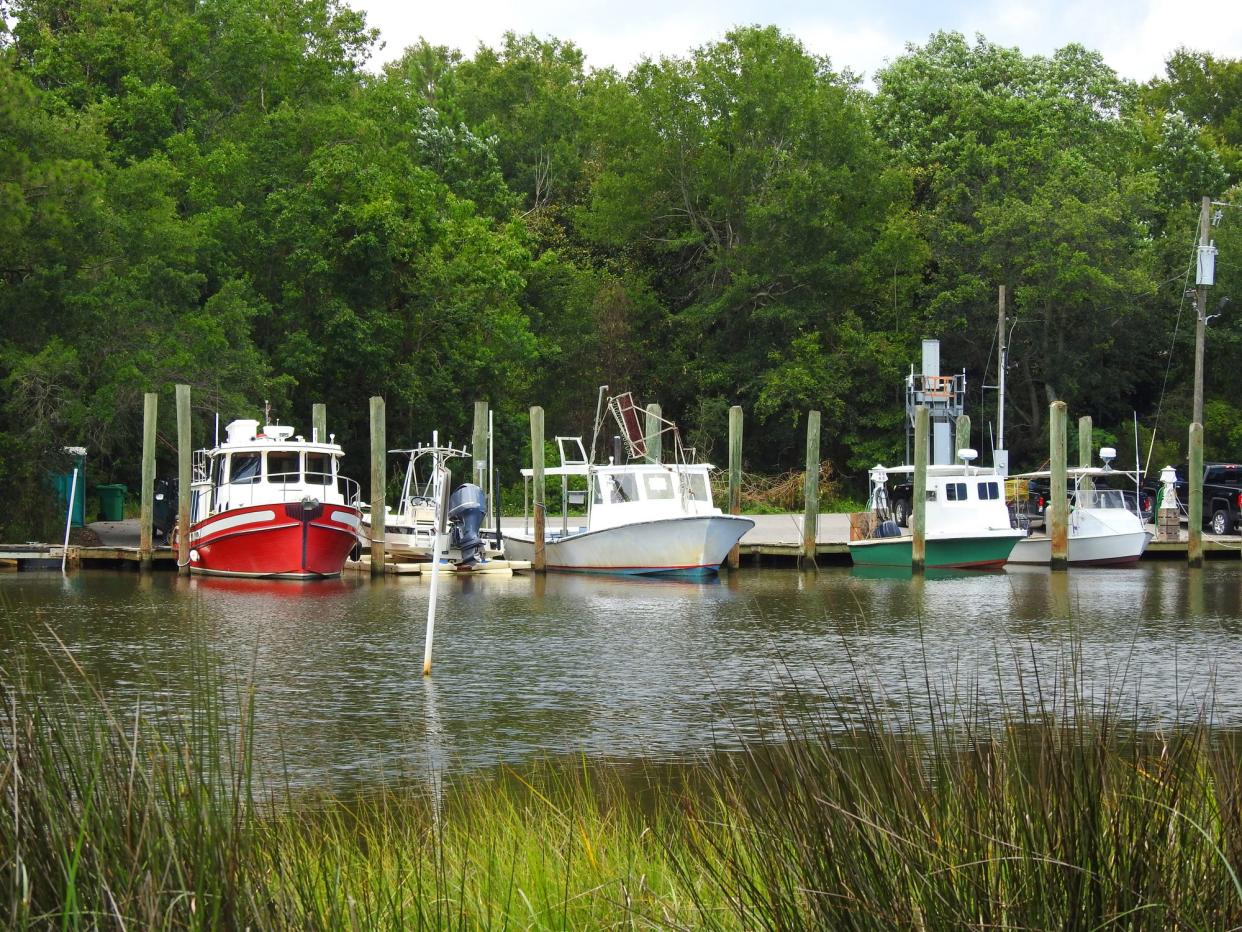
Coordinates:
(642, 517)
(1104, 525)
(968, 523)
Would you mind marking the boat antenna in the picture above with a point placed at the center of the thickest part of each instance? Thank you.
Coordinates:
(267, 412)
(599, 407)
(217, 443)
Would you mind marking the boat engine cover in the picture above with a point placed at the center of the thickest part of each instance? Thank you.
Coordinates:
(467, 508)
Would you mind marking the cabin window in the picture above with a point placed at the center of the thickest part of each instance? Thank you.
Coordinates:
(596, 495)
(658, 486)
(624, 487)
(989, 491)
(244, 467)
(696, 486)
(283, 467)
(318, 469)
(955, 491)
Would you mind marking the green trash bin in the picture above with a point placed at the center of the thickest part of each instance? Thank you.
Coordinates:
(111, 501)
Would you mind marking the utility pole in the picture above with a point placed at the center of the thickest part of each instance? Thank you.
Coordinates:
(1000, 457)
(1204, 277)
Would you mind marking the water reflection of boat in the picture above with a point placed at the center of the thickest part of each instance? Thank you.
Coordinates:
(907, 572)
(586, 586)
(259, 586)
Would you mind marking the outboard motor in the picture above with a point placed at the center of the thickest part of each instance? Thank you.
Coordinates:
(467, 508)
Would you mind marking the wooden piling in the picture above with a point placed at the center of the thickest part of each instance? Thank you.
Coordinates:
(184, 448)
(1194, 521)
(1058, 500)
(735, 476)
(146, 520)
(655, 434)
(961, 439)
(319, 423)
(478, 447)
(810, 496)
(1085, 453)
(379, 477)
(539, 564)
(918, 546)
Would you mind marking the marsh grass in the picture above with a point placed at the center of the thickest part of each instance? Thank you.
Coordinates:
(1046, 817)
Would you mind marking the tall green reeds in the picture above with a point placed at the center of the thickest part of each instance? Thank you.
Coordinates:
(1044, 816)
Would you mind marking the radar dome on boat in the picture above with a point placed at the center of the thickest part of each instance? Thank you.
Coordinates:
(1108, 454)
(278, 432)
(966, 454)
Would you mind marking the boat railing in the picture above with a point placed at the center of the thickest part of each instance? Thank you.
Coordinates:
(295, 485)
(200, 466)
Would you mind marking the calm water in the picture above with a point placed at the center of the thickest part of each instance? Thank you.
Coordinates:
(528, 667)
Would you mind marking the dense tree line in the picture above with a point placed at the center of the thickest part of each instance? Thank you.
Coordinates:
(220, 193)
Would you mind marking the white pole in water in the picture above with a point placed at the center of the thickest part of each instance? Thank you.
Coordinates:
(73, 491)
(437, 544)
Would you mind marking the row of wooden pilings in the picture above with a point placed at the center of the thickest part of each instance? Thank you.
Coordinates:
(1057, 517)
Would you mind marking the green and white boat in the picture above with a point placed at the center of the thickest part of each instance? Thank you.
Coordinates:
(968, 522)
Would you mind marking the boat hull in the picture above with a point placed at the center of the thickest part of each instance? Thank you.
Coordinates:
(415, 545)
(1093, 550)
(693, 545)
(941, 553)
(278, 540)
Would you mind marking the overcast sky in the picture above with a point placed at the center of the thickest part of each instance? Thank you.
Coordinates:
(1135, 36)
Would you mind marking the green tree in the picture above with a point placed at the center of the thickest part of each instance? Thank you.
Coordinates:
(1027, 175)
(746, 180)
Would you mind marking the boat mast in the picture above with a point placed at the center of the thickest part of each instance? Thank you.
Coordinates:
(599, 407)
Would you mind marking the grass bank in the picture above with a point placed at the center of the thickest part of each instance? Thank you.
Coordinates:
(1051, 819)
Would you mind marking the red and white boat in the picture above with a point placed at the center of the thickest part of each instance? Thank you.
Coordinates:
(266, 503)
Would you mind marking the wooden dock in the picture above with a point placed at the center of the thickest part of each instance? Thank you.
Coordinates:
(775, 538)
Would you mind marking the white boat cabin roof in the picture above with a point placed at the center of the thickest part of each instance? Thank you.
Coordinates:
(957, 469)
(245, 436)
(1078, 472)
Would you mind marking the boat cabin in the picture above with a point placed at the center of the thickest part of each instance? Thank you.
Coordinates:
(629, 493)
(268, 466)
(961, 499)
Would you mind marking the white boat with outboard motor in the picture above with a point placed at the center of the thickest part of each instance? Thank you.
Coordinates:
(642, 516)
(410, 529)
(1105, 526)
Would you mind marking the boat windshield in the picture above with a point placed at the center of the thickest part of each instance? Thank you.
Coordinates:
(283, 466)
(1101, 498)
(696, 487)
(318, 469)
(244, 467)
(657, 486)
